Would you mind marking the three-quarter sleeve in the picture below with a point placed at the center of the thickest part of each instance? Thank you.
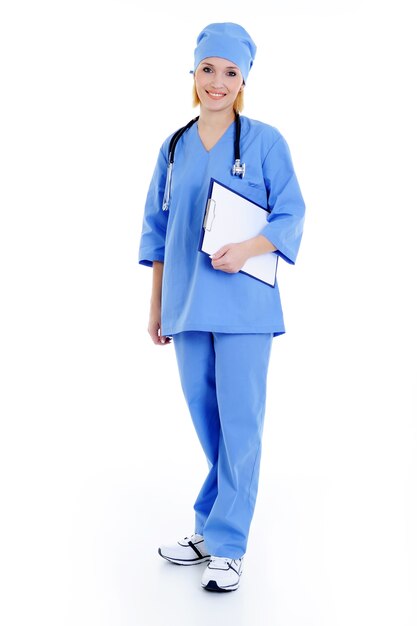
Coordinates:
(285, 202)
(152, 241)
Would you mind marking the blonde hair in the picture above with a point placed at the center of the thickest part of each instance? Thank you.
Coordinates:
(237, 105)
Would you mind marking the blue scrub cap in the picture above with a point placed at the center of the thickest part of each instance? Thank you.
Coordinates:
(228, 41)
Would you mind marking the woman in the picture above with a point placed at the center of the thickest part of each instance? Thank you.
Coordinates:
(221, 320)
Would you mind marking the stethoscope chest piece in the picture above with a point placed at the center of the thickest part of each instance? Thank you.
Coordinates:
(238, 168)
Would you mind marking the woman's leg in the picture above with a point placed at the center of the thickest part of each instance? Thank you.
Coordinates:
(196, 363)
(241, 363)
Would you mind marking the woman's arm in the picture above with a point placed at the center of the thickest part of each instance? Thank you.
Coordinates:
(284, 229)
(154, 326)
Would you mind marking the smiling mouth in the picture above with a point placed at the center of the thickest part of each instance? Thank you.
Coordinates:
(215, 94)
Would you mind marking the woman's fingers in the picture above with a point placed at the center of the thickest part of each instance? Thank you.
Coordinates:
(230, 258)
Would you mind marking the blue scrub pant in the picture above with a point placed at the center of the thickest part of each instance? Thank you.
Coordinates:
(223, 376)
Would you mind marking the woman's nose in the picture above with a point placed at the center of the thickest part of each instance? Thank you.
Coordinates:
(216, 83)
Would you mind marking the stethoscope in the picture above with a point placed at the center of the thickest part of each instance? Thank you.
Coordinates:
(238, 168)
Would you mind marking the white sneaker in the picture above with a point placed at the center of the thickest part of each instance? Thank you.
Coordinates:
(187, 551)
(222, 574)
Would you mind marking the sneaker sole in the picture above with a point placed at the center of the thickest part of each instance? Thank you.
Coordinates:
(213, 586)
(195, 561)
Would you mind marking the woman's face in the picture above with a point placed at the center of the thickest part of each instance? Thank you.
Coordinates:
(217, 82)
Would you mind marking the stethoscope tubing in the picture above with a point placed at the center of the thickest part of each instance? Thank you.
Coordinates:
(238, 169)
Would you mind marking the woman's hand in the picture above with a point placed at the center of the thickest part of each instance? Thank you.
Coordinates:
(154, 327)
(231, 257)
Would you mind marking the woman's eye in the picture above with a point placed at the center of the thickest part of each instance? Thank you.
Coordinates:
(206, 69)
(232, 73)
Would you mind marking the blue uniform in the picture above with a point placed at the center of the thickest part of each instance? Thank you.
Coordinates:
(192, 289)
(222, 324)
(223, 377)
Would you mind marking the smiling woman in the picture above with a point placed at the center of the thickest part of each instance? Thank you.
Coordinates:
(221, 320)
(217, 70)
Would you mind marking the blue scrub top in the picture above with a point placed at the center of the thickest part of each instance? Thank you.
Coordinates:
(195, 296)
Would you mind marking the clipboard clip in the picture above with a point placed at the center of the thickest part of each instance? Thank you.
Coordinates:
(211, 204)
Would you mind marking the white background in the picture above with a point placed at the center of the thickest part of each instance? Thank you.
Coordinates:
(99, 461)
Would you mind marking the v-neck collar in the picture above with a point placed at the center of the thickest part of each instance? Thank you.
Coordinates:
(226, 132)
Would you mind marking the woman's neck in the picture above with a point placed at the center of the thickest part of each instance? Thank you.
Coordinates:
(216, 120)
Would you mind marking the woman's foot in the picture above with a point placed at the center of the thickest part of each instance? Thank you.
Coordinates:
(187, 551)
(222, 574)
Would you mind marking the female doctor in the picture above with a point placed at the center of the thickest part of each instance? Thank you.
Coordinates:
(221, 320)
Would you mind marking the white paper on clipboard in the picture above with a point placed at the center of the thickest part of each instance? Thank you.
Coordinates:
(232, 218)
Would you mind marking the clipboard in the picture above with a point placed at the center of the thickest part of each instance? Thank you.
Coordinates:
(231, 217)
